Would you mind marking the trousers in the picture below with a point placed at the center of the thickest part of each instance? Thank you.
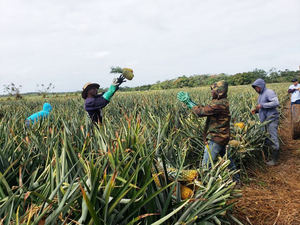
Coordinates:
(216, 149)
(272, 129)
(273, 141)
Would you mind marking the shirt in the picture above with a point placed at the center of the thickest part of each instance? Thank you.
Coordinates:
(94, 105)
(217, 125)
(296, 94)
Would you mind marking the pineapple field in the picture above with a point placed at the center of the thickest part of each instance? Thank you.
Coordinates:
(143, 166)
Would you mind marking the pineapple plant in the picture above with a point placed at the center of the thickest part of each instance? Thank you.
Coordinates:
(67, 171)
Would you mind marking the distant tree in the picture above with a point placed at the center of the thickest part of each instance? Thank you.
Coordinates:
(287, 75)
(273, 75)
(45, 89)
(244, 78)
(13, 90)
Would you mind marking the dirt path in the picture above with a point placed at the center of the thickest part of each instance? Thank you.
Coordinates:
(274, 196)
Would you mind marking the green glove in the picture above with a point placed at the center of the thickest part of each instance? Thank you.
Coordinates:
(186, 99)
(110, 92)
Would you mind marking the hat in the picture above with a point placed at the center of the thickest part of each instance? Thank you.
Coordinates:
(88, 86)
(221, 88)
(294, 80)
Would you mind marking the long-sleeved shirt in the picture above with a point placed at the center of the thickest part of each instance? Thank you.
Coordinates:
(218, 116)
(94, 106)
(268, 101)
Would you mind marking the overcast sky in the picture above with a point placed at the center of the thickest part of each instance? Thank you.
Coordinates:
(71, 42)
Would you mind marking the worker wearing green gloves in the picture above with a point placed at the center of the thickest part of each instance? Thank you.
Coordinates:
(95, 102)
(217, 127)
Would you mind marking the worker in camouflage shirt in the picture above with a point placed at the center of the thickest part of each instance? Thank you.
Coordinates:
(217, 127)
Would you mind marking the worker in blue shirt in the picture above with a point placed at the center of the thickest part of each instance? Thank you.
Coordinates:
(47, 108)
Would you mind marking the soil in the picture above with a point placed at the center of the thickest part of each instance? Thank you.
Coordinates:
(273, 196)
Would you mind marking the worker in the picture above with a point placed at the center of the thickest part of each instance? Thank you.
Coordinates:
(294, 90)
(47, 108)
(217, 126)
(267, 110)
(95, 102)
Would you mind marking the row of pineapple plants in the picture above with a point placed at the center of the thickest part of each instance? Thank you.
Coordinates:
(138, 168)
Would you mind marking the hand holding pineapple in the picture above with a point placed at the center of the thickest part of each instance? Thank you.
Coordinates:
(126, 73)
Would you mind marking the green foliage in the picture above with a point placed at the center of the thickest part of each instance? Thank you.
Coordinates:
(271, 76)
(63, 170)
(116, 70)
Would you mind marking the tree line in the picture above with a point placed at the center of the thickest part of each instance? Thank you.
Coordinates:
(271, 76)
(244, 78)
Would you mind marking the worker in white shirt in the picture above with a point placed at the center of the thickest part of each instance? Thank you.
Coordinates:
(294, 90)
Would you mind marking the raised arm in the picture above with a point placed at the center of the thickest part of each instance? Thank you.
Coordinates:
(113, 88)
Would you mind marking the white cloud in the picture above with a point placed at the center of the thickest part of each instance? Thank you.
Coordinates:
(99, 54)
(71, 42)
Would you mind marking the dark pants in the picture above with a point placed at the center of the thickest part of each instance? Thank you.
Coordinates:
(273, 141)
(296, 102)
(216, 149)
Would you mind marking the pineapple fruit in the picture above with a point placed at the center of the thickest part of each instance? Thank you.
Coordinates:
(185, 192)
(128, 73)
(239, 125)
(234, 143)
(185, 175)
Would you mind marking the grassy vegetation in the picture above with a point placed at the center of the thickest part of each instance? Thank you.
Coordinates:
(63, 171)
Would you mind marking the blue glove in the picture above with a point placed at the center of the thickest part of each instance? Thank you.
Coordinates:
(186, 99)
